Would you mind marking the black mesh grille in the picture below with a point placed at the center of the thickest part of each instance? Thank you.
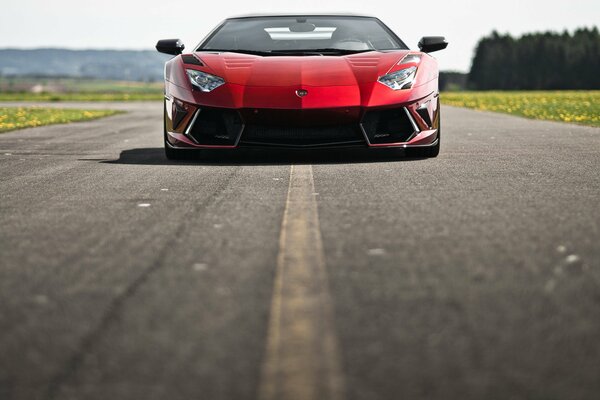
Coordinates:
(217, 127)
(387, 126)
(302, 136)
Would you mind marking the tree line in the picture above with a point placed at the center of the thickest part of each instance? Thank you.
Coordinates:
(548, 61)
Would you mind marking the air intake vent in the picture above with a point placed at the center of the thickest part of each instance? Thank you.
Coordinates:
(364, 61)
(424, 114)
(215, 127)
(388, 126)
(189, 59)
(232, 63)
(179, 113)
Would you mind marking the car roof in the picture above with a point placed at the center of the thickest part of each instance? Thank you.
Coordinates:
(301, 15)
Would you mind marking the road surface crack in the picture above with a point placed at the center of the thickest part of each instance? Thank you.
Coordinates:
(115, 307)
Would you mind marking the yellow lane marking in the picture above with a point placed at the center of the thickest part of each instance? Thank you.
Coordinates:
(302, 359)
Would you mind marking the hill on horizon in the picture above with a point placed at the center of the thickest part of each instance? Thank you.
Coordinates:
(125, 65)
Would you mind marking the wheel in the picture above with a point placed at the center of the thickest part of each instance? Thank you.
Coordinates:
(432, 151)
(179, 154)
(171, 153)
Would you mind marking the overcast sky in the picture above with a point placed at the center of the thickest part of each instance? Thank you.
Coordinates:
(137, 24)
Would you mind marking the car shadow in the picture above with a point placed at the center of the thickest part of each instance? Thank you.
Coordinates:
(156, 156)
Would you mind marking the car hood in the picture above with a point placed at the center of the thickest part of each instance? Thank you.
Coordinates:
(285, 71)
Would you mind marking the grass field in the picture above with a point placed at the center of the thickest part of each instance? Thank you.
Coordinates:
(579, 107)
(91, 96)
(70, 89)
(12, 118)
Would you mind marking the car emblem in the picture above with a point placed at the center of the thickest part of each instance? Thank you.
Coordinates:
(301, 92)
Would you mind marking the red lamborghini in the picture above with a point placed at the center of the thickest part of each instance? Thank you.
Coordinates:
(302, 81)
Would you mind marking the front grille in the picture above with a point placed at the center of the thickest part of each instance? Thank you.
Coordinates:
(215, 127)
(301, 136)
(227, 127)
(388, 126)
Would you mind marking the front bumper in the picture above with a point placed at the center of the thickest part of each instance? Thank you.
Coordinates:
(404, 125)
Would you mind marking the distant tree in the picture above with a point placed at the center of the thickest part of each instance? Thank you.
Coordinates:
(537, 61)
(452, 81)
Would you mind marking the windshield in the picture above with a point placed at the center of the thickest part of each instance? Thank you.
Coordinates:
(302, 35)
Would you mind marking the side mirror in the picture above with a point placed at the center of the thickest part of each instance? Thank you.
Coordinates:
(429, 44)
(170, 46)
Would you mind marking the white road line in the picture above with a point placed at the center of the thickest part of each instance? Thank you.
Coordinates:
(302, 360)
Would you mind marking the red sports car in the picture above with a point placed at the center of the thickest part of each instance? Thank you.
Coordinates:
(302, 81)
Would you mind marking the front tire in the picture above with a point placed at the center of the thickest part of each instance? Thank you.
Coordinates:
(430, 151)
(171, 153)
(178, 154)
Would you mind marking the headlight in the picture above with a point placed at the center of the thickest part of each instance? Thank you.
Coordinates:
(203, 81)
(402, 79)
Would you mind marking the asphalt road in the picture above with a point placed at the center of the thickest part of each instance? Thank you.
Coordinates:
(475, 275)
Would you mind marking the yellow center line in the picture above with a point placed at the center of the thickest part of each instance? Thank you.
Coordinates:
(302, 359)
